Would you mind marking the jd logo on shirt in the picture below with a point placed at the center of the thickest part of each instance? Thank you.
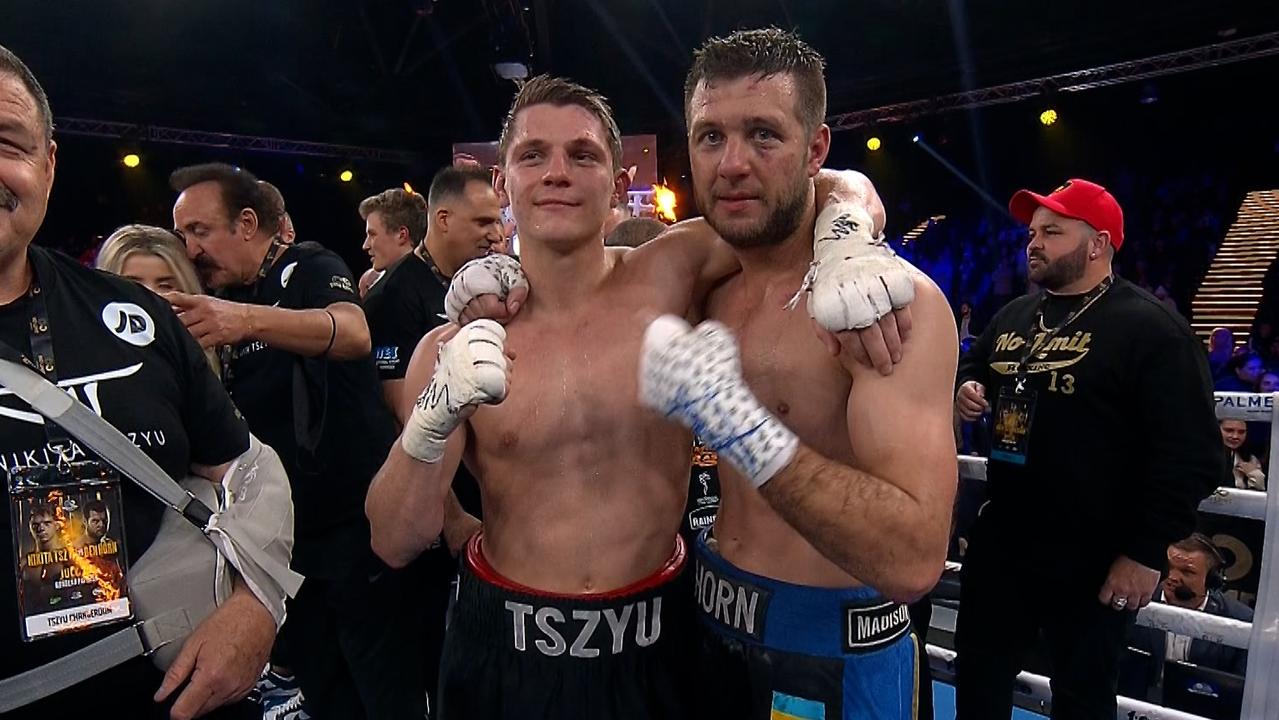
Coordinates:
(130, 323)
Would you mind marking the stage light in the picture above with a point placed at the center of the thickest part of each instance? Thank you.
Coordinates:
(873, 143)
(664, 203)
(346, 176)
(915, 139)
(1048, 117)
(131, 160)
(408, 188)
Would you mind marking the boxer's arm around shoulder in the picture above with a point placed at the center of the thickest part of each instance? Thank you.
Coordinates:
(887, 521)
(405, 503)
(833, 186)
(685, 261)
(690, 258)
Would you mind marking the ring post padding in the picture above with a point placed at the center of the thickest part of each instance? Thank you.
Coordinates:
(1254, 407)
(1261, 698)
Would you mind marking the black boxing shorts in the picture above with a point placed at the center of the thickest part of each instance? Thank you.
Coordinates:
(773, 650)
(515, 653)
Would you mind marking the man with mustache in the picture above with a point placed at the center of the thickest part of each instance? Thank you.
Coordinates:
(1102, 418)
(153, 380)
(296, 361)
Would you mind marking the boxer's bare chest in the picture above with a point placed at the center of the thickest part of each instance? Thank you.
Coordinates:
(785, 364)
(573, 387)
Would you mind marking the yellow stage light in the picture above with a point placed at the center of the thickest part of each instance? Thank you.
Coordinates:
(1048, 117)
(873, 144)
(664, 203)
(346, 176)
(131, 160)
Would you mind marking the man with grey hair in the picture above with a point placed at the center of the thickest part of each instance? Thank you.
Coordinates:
(276, 199)
(151, 382)
(296, 347)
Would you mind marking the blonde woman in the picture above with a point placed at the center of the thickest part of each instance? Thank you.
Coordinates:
(156, 259)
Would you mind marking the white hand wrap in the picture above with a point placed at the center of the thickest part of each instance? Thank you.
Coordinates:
(495, 274)
(855, 279)
(470, 371)
(695, 376)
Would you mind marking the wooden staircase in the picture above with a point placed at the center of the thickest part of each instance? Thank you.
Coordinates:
(1232, 289)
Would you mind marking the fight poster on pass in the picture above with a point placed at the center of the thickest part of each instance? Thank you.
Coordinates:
(69, 555)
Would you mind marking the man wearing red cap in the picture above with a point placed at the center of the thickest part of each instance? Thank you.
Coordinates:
(1103, 442)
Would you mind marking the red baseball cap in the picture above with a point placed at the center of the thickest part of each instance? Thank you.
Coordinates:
(1078, 199)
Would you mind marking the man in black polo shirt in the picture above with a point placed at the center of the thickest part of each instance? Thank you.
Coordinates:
(463, 222)
(119, 349)
(296, 361)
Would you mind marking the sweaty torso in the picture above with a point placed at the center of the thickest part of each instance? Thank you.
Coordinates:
(790, 371)
(583, 488)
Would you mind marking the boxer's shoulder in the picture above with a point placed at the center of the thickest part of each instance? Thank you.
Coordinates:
(684, 239)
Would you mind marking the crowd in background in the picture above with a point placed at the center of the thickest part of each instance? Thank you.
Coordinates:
(1174, 225)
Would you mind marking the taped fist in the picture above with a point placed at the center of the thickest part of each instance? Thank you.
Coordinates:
(855, 279)
(472, 370)
(492, 286)
(694, 375)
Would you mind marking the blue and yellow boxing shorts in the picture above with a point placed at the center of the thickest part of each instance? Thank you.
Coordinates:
(778, 651)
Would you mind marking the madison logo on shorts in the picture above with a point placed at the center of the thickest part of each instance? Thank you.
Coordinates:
(871, 627)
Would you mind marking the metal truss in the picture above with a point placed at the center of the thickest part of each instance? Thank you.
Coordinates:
(179, 136)
(1250, 48)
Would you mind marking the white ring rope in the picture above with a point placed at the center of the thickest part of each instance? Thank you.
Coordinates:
(1250, 504)
(1191, 623)
(1036, 686)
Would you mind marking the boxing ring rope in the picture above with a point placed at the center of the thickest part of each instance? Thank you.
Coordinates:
(1036, 687)
(1260, 637)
